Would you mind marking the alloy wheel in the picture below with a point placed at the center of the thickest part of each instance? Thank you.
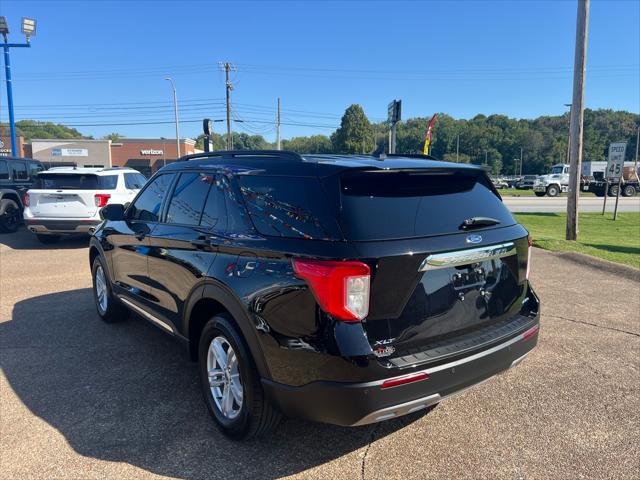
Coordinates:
(224, 377)
(101, 290)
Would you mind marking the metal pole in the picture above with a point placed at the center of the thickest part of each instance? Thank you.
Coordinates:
(458, 149)
(227, 67)
(278, 147)
(175, 109)
(606, 194)
(12, 120)
(577, 118)
(393, 138)
(520, 161)
(615, 209)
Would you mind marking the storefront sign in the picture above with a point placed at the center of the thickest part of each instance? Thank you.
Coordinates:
(151, 151)
(69, 152)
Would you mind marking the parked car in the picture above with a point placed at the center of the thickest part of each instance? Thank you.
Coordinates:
(17, 175)
(527, 182)
(499, 183)
(340, 289)
(67, 200)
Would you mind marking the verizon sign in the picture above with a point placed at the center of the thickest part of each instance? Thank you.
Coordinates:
(151, 151)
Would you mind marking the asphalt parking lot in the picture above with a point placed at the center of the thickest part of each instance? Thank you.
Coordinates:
(81, 399)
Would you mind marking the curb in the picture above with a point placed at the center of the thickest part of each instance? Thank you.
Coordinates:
(600, 264)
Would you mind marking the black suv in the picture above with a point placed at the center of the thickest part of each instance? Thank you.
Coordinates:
(341, 289)
(17, 175)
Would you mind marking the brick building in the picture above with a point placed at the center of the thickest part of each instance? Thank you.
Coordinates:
(147, 155)
(5, 145)
(72, 152)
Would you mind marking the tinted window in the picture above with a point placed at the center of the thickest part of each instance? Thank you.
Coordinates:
(288, 207)
(148, 204)
(384, 205)
(214, 207)
(19, 171)
(4, 170)
(75, 181)
(134, 181)
(34, 168)
(188, 198)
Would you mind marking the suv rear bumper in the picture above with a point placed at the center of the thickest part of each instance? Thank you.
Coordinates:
(61, 227)
(352, 404)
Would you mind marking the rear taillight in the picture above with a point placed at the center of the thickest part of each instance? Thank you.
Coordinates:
(530, 242)
(101, 199)
(340, 288)
(25, 199)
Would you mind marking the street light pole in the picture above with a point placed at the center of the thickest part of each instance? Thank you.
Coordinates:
(175, 110)
(29, 29)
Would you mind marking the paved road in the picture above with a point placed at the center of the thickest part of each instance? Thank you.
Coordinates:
(559, 204)
(82, 399)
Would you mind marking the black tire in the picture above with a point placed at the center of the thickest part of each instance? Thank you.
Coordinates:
(114, 310)
(540, 194)
(256, 416)
(553, 190)
(48, 239)
(613, 191)
(10, 219)
(629, 191)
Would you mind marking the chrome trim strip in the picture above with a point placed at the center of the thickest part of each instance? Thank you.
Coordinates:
(467, 256)
(146, 314)
(399, 410)
(462, 361)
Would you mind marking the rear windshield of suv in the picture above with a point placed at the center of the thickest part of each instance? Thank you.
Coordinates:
(76, 181)
(383, 205)
(292, 207)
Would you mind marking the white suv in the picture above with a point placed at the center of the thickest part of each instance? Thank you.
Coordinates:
(67, 200)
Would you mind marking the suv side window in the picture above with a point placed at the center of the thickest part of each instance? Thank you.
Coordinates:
(214, 207)
(34, 169)
(188, 199)
(134, 181)
(4, 170)
(147, 207)
(19, 171)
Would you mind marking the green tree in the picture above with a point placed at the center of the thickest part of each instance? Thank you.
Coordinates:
(355, 134)
(114, 137)
(312, 144)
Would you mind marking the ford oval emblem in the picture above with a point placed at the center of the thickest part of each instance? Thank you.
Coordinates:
(474, 238)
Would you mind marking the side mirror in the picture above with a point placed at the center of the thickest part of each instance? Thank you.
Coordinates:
(113, 212)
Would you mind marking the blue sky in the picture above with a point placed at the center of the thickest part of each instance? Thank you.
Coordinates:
(95, 62)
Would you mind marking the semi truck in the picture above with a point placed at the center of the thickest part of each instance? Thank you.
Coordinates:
(591, 179)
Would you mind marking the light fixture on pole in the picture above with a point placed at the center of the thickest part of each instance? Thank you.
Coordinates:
(29, 29)
(175, 110)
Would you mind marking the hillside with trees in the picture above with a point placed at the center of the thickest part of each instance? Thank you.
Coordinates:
(495, 140)
(32, 129)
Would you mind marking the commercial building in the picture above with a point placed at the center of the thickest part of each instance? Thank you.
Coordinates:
(147, 155)
(5, 145)
(72, 152)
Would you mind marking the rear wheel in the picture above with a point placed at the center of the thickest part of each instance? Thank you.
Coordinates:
(553, 190)
(540, 194)
(108, 306)
(613, 191)
(231, 384)
(10, 219)
(48, 239)
(629, 191)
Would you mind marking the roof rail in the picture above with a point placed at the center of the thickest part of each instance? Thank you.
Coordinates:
(229, 154)
(411, 155)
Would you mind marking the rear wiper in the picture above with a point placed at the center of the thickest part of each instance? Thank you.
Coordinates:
(475, 222)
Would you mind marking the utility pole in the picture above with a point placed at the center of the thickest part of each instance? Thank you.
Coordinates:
(576, 128)
(520, 161)
(458, 149)
(227, 67)
(278, 147)
(569, 137)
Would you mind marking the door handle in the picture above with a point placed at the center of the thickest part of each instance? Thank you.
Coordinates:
(201, 242)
